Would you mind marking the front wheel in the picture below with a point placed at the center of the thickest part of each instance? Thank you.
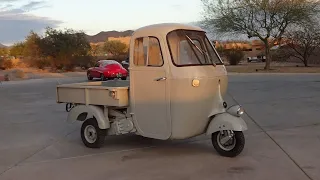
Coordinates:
(92, 136)
(228, 143)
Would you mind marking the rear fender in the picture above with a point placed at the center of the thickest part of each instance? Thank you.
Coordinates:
(226, 121)
(84, 112)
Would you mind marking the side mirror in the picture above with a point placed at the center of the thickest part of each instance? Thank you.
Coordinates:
(125, 62)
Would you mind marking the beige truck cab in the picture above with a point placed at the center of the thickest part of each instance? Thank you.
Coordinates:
(175, 91)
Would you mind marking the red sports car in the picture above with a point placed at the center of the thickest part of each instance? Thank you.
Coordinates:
(107, 69)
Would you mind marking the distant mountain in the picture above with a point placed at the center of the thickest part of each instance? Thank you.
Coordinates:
(103, 36)
(2, 46)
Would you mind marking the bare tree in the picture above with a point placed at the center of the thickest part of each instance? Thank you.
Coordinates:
(266, 20)
(303, 41)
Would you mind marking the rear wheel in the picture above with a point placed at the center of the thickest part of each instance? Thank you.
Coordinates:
(92, 136)
(124, 78)
(228, 143)
(102, 77)
(89, 76)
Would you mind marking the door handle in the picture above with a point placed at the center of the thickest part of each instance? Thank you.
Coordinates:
(161, 79)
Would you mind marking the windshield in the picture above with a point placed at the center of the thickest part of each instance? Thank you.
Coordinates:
(190, 48)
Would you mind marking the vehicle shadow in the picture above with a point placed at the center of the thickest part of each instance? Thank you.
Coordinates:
(198, 144)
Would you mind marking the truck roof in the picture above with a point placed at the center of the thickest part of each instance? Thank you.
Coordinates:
(163, 28)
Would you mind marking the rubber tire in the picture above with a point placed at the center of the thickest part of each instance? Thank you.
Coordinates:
(102, 77)
(101, 134)
(124, 78)
(90, 78)
(240, 142)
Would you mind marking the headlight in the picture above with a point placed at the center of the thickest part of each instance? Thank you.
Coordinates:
(236, 110)
(240, 111)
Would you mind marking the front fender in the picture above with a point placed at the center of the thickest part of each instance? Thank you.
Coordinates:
(83, 112)
(226, 121)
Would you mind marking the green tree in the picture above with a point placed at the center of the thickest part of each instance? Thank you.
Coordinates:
(266, 20)
(32, 45)
(33, 51)
(4, 51)
(115, 47)
(64, 46)
(4, 62)
(96, 50)
(17, 49)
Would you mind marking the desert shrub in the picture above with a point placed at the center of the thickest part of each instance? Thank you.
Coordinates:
(220, 50)
(7, 64)
(118, 58)
(84, 61)
(18, 63)
(39, 63)
(69, 67)
(234, 56)
(115, 47)
(1, 63)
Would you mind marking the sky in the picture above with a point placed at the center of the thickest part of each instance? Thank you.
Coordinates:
(19, 17)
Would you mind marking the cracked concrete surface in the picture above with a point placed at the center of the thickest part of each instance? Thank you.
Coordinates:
(282, 141)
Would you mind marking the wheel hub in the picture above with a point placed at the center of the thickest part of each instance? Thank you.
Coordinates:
(90, 134)
(226, 140)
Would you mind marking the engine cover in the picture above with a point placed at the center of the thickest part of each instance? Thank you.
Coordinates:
(122, 126)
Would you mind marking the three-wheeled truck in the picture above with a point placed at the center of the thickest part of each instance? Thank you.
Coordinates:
(175, 91)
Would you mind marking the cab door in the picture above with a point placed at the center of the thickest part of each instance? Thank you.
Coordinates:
(148, 81)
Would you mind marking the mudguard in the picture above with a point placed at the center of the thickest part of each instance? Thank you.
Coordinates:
(226, 121)
(83, 112)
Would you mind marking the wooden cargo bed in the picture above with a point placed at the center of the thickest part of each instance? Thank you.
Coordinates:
(109, 93)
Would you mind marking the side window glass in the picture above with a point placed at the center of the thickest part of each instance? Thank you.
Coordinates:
(147, 52)
(139, 57)
(154, 52)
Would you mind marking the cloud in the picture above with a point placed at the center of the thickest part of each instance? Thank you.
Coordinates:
(16, 21)
(6, 1)
(16, 29)
(177, 7)
(33, 5)
(5, 7)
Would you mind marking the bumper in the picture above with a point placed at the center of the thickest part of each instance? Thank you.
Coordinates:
(115, 75)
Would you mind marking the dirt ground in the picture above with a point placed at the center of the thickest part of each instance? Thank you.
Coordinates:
(17, 74)
(276, 67)
(244, 67)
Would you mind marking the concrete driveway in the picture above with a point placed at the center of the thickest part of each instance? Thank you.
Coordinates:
(283, 140)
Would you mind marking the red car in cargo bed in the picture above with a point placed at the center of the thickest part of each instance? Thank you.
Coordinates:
(107, 69)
